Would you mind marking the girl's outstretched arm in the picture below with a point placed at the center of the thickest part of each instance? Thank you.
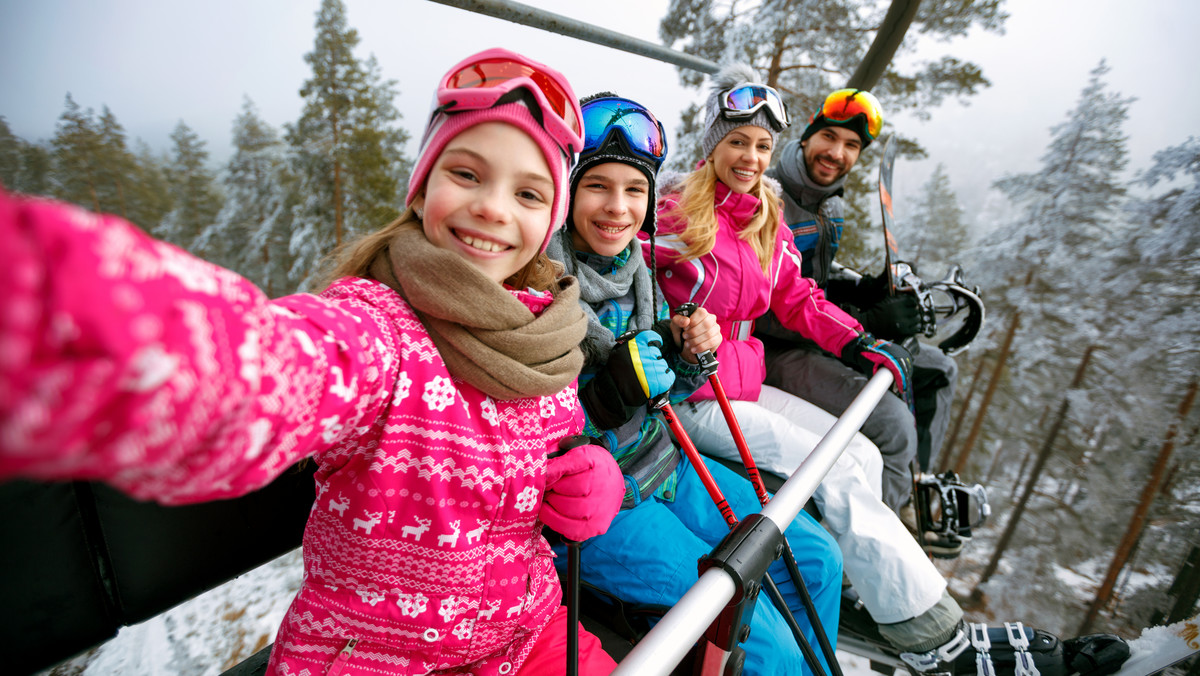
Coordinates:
(127, 360)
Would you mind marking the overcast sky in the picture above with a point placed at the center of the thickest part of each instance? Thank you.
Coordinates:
(154, 63)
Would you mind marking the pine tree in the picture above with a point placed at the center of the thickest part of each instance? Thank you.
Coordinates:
(76, 151)
(1151, 320)
(1048, 263)
(194, 197)
(345, 148)
(246, 235)
(149, 189)
(10, 156)
(1066, 211)
(934, 233)
(34, 178)
(116, 167)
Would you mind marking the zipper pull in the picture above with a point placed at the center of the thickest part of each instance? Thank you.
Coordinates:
(343, 657)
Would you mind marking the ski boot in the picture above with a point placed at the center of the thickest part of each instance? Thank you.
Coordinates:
(1016, 650)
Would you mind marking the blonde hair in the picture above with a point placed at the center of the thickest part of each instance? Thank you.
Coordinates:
(696, 206)
(354, 259)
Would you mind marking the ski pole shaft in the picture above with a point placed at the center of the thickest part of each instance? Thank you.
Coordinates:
(693, 455)
(739, 439)
(573, 608)
(810, 656)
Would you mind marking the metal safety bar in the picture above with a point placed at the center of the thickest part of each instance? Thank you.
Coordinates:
(672, 638)
(557, 23)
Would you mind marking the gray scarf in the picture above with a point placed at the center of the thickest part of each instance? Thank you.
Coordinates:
(595, 288)
(794, 177)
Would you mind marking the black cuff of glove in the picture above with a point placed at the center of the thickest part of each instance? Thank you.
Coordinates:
(603, 403)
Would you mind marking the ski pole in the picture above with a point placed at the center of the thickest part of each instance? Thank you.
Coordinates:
(573, 608)
(789, 558)
(714, 491)
(709, 363)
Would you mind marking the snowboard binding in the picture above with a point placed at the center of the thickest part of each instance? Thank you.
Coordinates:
(940, 302)
(946, 505)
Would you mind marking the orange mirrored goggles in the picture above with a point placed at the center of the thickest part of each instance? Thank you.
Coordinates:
(845, 105)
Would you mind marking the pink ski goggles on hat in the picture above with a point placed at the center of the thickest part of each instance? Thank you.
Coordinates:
(481, 81)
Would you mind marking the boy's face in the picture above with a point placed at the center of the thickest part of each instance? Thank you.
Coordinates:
(488, 199)
(609, 207)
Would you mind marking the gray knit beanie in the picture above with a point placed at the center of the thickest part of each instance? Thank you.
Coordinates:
(715, 124)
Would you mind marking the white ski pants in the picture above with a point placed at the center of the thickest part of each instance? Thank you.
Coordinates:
(892, 575)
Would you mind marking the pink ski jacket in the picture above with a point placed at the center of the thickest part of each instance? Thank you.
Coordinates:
(730, 283)
(126, 360)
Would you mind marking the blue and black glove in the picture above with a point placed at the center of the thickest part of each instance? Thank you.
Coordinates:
(635, 374)
(868, 354)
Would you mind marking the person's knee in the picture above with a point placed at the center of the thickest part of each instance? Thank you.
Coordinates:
(892, 428)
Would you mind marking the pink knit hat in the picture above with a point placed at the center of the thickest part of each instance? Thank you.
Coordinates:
(445, 126)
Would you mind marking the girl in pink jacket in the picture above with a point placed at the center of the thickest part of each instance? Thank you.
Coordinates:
(431, 383)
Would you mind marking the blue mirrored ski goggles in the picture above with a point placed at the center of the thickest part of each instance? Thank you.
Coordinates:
(642, 131)
(744, 100)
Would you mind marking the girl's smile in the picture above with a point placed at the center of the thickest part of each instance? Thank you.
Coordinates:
(488, 199)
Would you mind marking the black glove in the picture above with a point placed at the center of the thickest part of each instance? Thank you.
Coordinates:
(635, 373)
(863, 292)
(893, 318)
(868, 354)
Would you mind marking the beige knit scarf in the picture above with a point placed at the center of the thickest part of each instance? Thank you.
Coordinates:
(485, 335)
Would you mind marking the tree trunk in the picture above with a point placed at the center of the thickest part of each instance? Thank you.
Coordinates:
(1138, 521)
(1001, 361)
(1043, 454)
(964, 406)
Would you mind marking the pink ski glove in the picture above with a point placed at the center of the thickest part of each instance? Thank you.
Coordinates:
(584, 489)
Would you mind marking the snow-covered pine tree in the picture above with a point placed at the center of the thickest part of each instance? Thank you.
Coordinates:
(195, 199)
(1156, 359)
(933, 233)
(1048, 263)
(245, 235)
(346, 149)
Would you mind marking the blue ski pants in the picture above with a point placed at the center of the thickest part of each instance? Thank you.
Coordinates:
(650, 552)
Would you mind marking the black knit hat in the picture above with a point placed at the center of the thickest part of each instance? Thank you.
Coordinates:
(612, 148)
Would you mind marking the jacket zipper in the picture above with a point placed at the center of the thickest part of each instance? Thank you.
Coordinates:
(343, 657)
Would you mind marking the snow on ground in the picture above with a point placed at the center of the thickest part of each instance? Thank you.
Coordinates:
(203, 636)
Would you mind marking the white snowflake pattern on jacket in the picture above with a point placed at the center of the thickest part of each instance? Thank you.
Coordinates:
(129, 361)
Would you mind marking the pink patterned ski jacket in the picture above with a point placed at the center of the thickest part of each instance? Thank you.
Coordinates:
(730, 283)
(126, 360)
